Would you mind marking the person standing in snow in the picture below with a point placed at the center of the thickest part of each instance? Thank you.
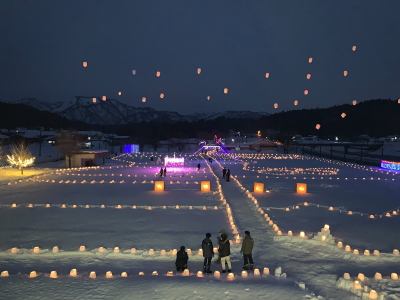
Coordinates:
(247, 248)
(165, 172)
(227, 175)
(224, 251)
(223, 173)
(161, 172)
(181, 259)
(208, 252)
(198, 167)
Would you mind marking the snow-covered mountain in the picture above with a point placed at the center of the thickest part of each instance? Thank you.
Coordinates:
(111, 112)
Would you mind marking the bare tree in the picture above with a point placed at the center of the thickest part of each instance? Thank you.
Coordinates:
(20, 156)
(67, 144)
(1, 151)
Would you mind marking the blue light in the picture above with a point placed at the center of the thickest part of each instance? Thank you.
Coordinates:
(131, 148)
(390, 165)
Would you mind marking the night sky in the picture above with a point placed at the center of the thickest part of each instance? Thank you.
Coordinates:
(43, 45)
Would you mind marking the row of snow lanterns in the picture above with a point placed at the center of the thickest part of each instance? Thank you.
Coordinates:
(301, 188)
(159, 186)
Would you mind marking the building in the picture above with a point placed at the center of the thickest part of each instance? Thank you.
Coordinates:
(87, 158)
(263, 145)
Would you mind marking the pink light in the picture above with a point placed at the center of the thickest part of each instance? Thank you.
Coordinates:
(174, 161)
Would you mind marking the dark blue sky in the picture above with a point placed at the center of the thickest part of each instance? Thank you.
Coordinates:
(44, 42)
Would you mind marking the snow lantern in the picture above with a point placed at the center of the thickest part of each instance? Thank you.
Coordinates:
(354, 48)
(109, 275)
(310, 60)
(378, 276)
(296, 102)
(217, 274)
(84, 64)
(92, 275)
(73, 273)
(308, 76)
(398, 101)
(200, 274)
(276, 105)
(205, 186)
(4, 274)
(159, 186)
(302, 234)
(345, 73)
(152, 252)
(117, 250)
(266, 75)
(258, 187)
(32, 274)
(394, 276)
(36, 250)
(244, 274)
(55, 249)
(186, 272)
(170, 273)
(256, 272)
(396, 252)
(14, 250)
(230, 277)
(266, 271)
(104, 98)
(373, 294)
(119, 93)
(305, 92)
(225, 91)
(376, 252)
(198, 70)
(53, 274)
(301, 188)
(124, 274)
(82, 248)
(158, 74)
(357, 285)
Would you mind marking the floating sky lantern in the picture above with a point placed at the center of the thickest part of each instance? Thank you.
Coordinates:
(308, 76)
(94, 100)
(354, 102)
(398, 101)
(119, 93)
(354, 48)
(143, 99)
(84, 64)
(266, 75)
(296, 102)
(305, 92)
(276, 105)
(158, 73)
(208, 97)
(104, 98)
(301, 188)
(162, 96)
(225, 91)
(310, 60)
(198, 70)
(133, 72)
(258, 187)
(343, 115)
(318, 126)
(345, 73)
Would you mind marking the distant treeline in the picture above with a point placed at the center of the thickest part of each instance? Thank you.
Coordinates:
(376, 118)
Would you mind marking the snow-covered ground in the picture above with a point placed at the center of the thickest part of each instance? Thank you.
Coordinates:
(116, 206)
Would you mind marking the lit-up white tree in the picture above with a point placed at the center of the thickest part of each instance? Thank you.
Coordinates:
(20, 156)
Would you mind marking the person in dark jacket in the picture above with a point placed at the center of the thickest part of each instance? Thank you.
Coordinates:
(247, 248)
(224, 251)
(223, 173)
(208, 252)
(181, 259)
(228, 174)
(165, 172)
(161, 172)
(198, 166)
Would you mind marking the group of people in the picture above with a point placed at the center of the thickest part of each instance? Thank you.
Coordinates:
(226, 174)
(163, 172)
(224, 251)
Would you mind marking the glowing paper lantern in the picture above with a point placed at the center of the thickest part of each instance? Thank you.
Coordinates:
(84, 64)
(161, 95)
(305, 92)
(301, 188)
(92, 275)
(275, 105)
(159, 186)
(73, 273)
(94, 100)
(343, 115)
(119, 93)
(198, 70)
(205, 186)
(310, 60)
(354, 102)
(144, 99)
(296, 102)
(225, 91)
(53, 274)
(398, 101)
(266, 75)
(158, 74)
(318, 126)
(345, 73)
(258, 187)
(104, 98)
(354, 48)
(133, 72)
(308, 76)
(208, 97)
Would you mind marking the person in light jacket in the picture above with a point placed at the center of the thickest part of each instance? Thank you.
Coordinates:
(224, 251)
(247, 248)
